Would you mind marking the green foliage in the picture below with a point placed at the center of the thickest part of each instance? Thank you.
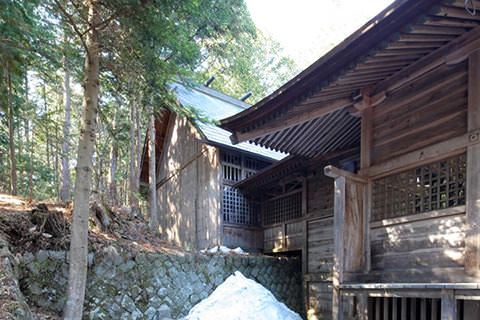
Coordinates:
(145, 45)
(251, 62)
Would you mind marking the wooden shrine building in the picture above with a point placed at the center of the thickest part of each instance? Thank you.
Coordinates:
(381, 191)
(196, 168)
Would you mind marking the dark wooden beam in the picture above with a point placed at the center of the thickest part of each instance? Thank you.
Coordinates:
(449, 22)
(425, 37)
(428, 62)
(420, 28)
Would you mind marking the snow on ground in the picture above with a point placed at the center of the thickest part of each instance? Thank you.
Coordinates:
(239, 298)
(225, 250)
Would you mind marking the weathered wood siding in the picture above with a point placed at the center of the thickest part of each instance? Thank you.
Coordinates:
(320, 196)
(284, 237)
(246, 237)
(320, 245)
(320, 299)
(189, 202)
(431, 242)
(427, 246)
(430, 109)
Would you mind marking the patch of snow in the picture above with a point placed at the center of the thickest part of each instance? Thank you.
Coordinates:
(224, 250)
(239, 298)
(213, 250)
(239, 251)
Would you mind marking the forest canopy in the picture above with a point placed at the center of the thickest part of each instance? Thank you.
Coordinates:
(144, 45)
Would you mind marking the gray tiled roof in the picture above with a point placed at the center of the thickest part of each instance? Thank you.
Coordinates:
(215, 106)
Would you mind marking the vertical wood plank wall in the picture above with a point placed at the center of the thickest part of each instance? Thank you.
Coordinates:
(412, 117)
(408, 120)
(182, 198)
(313, 236)
(434, 246)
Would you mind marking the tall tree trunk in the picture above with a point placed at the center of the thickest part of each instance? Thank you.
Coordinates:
(112, 183)
(79, 239)
(153, 223)
(132, 173)
(13, 171)
(28, 151)
(65, 174)
(57, 165)
(125, 194)
(26, 131)
(30, 178)
(138, 150)
(47, 139)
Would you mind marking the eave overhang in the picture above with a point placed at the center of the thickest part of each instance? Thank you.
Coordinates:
(393, 48)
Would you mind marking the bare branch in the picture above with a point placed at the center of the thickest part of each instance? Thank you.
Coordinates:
(74, 25)
(79, 11)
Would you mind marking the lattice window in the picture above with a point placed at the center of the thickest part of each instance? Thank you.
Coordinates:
(283, 209)
(237, 209)
(254, 165)
(231, 173)
(231, 158)
(434, 186)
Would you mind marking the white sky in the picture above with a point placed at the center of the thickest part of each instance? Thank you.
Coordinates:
(307, 29)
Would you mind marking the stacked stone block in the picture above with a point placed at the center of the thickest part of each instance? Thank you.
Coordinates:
(125, 285)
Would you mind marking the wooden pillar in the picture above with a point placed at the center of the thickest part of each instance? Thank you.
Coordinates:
(362, 306)
(403, 309)
(434, 309)
(423, 309)
(338, 227)
(472, 241)
(386, 308)
(449, 305)
(365, 163)
(306, 294)
(394, 308)
(366, 138)
(348, 226)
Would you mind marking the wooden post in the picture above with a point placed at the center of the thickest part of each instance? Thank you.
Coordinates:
(423, 309)
(394, 308)
(365, 163)
(434, 309)
(403, 309)
(449, 305)
(362, 306)
(348, 226)
(305, 242)
(339, 227)
(366, 138)
(386, 308)
(472, 241)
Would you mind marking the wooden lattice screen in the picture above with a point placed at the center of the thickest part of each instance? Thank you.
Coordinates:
(434, 186)
(283, 208)
(236, 208)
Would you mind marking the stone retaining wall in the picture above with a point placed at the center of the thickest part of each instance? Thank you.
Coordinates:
(122, 285)
(12, 301)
